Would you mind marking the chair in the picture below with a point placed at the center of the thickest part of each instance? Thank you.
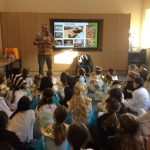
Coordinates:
(12, 52)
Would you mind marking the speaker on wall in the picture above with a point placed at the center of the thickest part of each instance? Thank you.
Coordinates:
(138, 58)
(143, 56)
(134, 58)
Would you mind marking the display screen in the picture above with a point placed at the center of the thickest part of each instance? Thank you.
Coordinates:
(76, 34)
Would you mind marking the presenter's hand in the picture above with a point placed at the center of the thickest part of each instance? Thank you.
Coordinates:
(52, 43)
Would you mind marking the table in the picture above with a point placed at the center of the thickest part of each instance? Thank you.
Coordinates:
(7, 65)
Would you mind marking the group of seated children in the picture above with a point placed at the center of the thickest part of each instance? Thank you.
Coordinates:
(76, 112)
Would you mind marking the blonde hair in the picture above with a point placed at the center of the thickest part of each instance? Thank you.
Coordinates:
(79, 104)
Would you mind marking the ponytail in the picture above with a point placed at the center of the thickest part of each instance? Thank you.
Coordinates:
(60, 133)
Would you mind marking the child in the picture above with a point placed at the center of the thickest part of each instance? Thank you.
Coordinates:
(77, 136)
(82, 76)
(55, 135)
(78, 102)
(128, 88)
(113, 74)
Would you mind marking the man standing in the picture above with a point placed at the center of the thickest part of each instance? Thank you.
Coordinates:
(44, 40)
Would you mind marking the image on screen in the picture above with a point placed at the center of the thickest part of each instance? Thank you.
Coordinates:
(76, 34)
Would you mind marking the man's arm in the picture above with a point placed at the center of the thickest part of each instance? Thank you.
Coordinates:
(52, 42)
(37, 40)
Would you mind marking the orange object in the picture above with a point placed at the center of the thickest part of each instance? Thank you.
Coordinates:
(12, 52)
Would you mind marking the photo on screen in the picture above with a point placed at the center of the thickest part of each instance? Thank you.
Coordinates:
(58, 35)
(68, 42)
(79, 43)
(59, 42)
(58, 28)
(73, 31)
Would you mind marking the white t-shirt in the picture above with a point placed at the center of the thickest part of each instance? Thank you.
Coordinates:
(22, 124)
(4, 107)
(140, 100)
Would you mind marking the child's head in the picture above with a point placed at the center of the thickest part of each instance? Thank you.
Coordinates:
(23, 105)
(107, 78)
(110, 123)
(37, 79)
(115, 93)
(116, 84)
(46, 97)
(60, 114)
(131, 75)
(129, 124)
(98, 70)
(138, 82)
(25, 72)
(23, 85)
(71, 80)
(63, 78)
(113, 105)
(77, 135)
(80, 89)
(111, 72)
(132, 67)
(49, 72)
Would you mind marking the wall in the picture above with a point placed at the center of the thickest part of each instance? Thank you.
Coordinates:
(83, 6)
(19, 29)
(3, 7)
(80, 6)
(145, 28)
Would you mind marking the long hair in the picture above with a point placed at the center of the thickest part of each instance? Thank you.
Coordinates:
(80, 102)
(59, 128)
(46, 82)
(130, 142)
(111, 122)
(46, 98)
(23, 105)
(131, 139)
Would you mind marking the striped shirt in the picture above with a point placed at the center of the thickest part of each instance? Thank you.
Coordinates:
(17, 80)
